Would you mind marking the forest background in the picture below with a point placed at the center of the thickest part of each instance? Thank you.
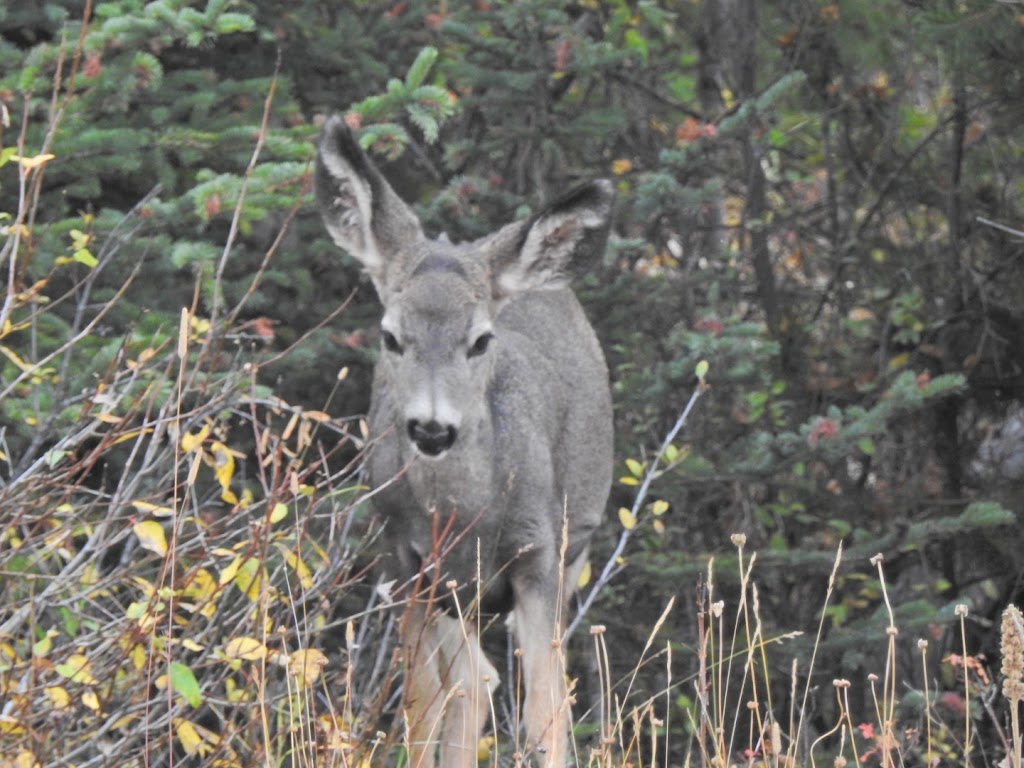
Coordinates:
(823, 200)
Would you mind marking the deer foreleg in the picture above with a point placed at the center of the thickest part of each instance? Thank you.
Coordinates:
(423, 696)
(546, 710)
(447, 691)
(468, 679)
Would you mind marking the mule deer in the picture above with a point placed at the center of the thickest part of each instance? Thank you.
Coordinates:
(492, 433)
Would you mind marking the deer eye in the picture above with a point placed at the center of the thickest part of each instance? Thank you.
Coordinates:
(480, 345)
(390, 342)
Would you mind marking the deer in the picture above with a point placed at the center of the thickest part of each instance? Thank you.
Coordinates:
(490, 433)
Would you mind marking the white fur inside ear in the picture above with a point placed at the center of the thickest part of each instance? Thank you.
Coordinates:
(550, 245)
(350, 222)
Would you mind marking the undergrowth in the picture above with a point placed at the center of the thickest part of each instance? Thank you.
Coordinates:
(184, 571)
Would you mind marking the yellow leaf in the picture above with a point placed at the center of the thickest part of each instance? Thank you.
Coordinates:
(190, 441)
(10, 725)
(91, 700)
(229, 573)
(154, 509)
(278, 513)
(627, 519)
(121, 722)
(76, 669)
(13, 357)
(189, 737)
(42, 647)
(628, 480)
(585, 575)
(31, 163)
(200, 325)
(151, 536)
(899, 361)
(58, 697)
(131, 435)
(621, 167)
(191, 645)
(233, 693)
(635, 467)
(224, 465)
(24, 759)
(483, 747)
(138, 657)
(247, 648)
(300, 568)
(250, 578)
(305, 665)
(660, 507)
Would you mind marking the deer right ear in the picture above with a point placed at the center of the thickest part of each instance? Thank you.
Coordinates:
(361, 211)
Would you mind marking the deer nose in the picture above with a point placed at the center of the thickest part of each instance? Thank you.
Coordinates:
(431, 438)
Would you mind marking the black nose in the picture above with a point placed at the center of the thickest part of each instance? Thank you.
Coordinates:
(431, 438)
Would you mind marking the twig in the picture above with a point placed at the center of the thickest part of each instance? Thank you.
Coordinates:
(612, 566)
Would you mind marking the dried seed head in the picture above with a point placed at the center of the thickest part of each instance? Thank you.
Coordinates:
(840, 762)
(840, 683)
(961, 610)
(717, 608)
(1012, 647)
(872, 678)
(892, 631)
(922, 644)
(738, 540)
(597, 629)
(877, 559)
(452, 584)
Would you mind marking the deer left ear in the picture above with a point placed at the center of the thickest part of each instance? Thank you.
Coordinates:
(557, 243)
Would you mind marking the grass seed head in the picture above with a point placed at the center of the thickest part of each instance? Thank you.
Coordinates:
(1012, 648)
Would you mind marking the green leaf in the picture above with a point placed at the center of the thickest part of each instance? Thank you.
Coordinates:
(420, 68)
(230, 23)
(987, 513)
(424, 121)
(184, 683)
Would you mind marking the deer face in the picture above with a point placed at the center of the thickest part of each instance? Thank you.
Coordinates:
(437, 352)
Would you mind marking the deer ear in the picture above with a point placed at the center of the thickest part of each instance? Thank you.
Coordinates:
(361, 211)
(553, 246)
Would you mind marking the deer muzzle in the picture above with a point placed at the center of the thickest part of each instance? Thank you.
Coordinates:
(431, 438)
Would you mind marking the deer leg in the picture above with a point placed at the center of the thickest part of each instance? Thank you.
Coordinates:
(539, 631)
(468, 679)
(423, 695)
(447, 690)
